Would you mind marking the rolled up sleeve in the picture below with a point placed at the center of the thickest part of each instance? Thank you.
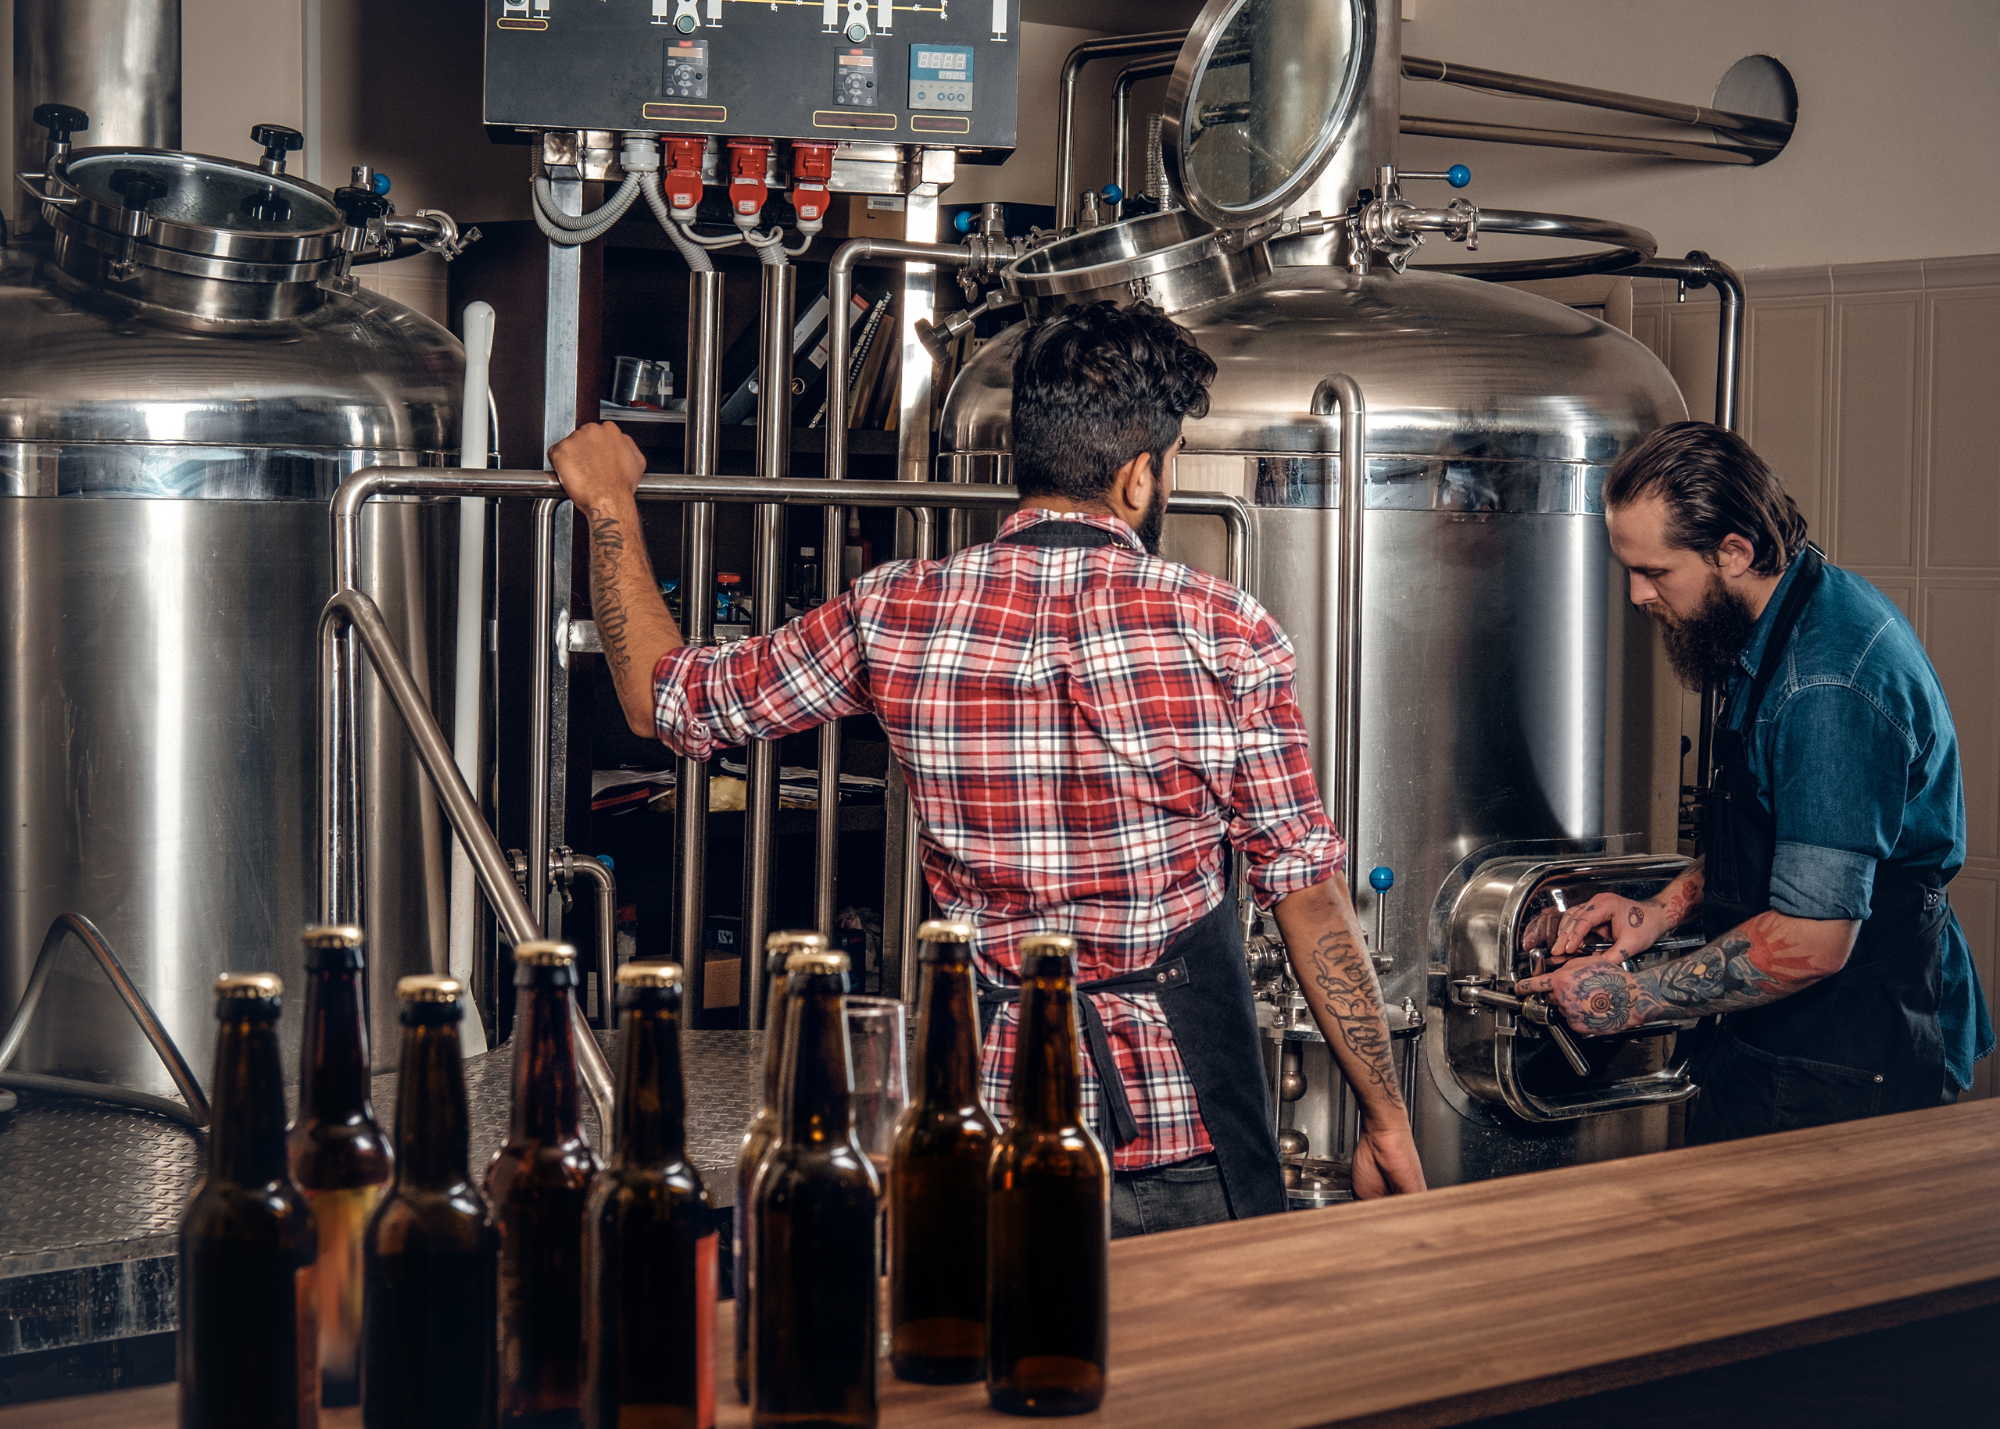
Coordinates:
(1276, 821)
(1840, 772)
(709, 697)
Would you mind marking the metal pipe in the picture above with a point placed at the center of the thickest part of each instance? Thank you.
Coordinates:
(469, 644)
(584, 865)
(194, 1113)
(1121, 122)
(1573, 139)
(356, 612)
(1151, 43)
(1628, 245)
(1342, 391)
(540, 714)
(1751, 127)
(826, 842)
(774, 456)
(703, 438)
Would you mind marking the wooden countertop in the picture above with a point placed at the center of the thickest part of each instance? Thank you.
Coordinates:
(1504, 1295)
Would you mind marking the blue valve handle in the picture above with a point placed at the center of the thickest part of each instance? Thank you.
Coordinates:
(1382, 878)
(963, 221)
(381, 182)
(1458, 175)
(1112, 193)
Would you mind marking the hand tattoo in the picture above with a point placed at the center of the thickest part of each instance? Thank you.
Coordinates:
(1601, 1001)
(1634, 917)
(607, 559)
(1341, 971)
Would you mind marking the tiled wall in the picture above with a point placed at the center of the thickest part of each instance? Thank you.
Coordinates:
(1873, 390)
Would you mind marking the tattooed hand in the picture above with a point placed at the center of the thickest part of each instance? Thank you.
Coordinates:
(1595, 998)
(599, 467)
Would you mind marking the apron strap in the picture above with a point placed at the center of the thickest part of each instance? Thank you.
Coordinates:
(1812, 570)
(1059, 534)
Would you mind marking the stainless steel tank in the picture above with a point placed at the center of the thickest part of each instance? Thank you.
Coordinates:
(1503, 675)
(185, 377)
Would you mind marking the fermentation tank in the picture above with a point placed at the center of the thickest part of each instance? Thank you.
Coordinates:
(1502, 674)
(186, 373)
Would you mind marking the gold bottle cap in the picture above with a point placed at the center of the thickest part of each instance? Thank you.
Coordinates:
(655, 975)
(822, 963)
(331, 935)
(541, 953)
(1038, 946)
(797, 940)
(429, 987)
(249, 985)
(946, 930)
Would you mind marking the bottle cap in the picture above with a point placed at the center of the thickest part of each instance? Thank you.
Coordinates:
(656, 975)
(1038, 947)
(823, 963)
(429, 987)
(946, 930)
(797, 940)
(249, 985)
(541, 953)
(332, 946)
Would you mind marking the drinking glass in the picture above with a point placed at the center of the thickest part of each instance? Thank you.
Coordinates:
(881, 1090)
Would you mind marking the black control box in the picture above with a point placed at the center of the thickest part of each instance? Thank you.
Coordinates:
(942, 73)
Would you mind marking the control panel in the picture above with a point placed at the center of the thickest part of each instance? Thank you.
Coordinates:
(934, 72)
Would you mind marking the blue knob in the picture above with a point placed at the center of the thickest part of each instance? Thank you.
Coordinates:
(963, 222)
(1458, 176)
(605, 859)
(1112, 193)
(1382, 878)
(381, 184)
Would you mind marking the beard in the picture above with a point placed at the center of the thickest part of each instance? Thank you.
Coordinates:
(1154, 523)
(1703, 645)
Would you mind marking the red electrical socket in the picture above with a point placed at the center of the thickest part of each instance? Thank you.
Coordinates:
(812, 167)
(749, 160)
(682, 180)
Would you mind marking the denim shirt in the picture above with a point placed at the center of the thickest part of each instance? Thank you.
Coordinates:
(1856, 758)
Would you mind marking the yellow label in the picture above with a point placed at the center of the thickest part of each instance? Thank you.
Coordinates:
(342, 1218)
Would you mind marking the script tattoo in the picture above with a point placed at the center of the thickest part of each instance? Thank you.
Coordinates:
(607, 561)
(1341, 971)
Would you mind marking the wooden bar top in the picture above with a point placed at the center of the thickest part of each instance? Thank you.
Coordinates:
(1504, 1295)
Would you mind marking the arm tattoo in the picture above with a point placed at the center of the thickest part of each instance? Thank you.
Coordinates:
(1722, 977)
(1341, 971)
(607, 602)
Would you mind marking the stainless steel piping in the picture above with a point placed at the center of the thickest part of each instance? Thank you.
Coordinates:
(583, 865)
(1121, 123)
(702, 440)
(1753, 130)
(1627, 246)
(540, 714)
(1344, 392)
(1688, 149)
(354, 611)
(767, 567)
(1151, 43)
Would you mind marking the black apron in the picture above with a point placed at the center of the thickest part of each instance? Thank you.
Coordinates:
(1203, 984)
(1862, 1042)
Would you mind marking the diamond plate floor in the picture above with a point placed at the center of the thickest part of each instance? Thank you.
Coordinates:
(91, 1196)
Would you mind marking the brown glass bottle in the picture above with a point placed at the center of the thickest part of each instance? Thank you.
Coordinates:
(812, 1226)
(338, 1154)
(649, 1239)
(537, 1183)
(431, 1253)
(1048, 1217)
(778, 948)
(248, 1349)
(937, 1179)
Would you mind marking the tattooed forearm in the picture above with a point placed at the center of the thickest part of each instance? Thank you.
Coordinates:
(1681, 897)
(607, 601)
(1340, 970)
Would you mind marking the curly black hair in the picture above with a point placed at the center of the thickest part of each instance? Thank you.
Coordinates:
(1096, 386)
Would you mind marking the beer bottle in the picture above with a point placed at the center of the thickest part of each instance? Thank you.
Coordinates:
(937, 1179)
(248, 1350)
(537, 1183)
(338, 1154)
(1048, 1218)
(429, 1258)
(649, 1238)
(812, 1226)
(778, 947)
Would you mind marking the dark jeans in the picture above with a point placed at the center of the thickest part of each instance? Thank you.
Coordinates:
(1168, 1198)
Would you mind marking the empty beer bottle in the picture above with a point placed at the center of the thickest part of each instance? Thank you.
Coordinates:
(649, 1239)
(812, 1226)
(937, 1179)
(430, 1256)
(778, 947)
(1048, 1218)
(248, 1348)
(537, 1183)
(338, 1154)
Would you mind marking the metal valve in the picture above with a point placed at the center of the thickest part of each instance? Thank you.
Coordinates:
(1387, 225)
(277, 142)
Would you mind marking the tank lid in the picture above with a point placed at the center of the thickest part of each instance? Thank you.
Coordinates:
(195, 203)
(1261, 96)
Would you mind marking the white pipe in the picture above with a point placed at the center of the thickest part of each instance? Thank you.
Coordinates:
(470, 646)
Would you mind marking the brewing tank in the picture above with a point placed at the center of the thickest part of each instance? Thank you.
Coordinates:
(185, 377)
(1504, 686)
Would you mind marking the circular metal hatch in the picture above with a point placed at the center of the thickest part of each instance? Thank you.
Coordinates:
(1261, 96)
(197, 204)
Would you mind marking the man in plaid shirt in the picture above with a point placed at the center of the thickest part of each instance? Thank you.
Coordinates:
(1087, 731)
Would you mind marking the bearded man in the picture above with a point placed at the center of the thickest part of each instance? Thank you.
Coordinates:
(1837, 818)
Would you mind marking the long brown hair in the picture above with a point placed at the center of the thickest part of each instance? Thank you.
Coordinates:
(1714, 487)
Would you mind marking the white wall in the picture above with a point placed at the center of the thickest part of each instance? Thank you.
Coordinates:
(1894, 155)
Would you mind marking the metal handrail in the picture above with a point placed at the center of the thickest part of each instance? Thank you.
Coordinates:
(339, 787)
(1153, 42)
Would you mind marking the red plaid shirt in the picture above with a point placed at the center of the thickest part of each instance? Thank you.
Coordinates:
(1080, 728)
